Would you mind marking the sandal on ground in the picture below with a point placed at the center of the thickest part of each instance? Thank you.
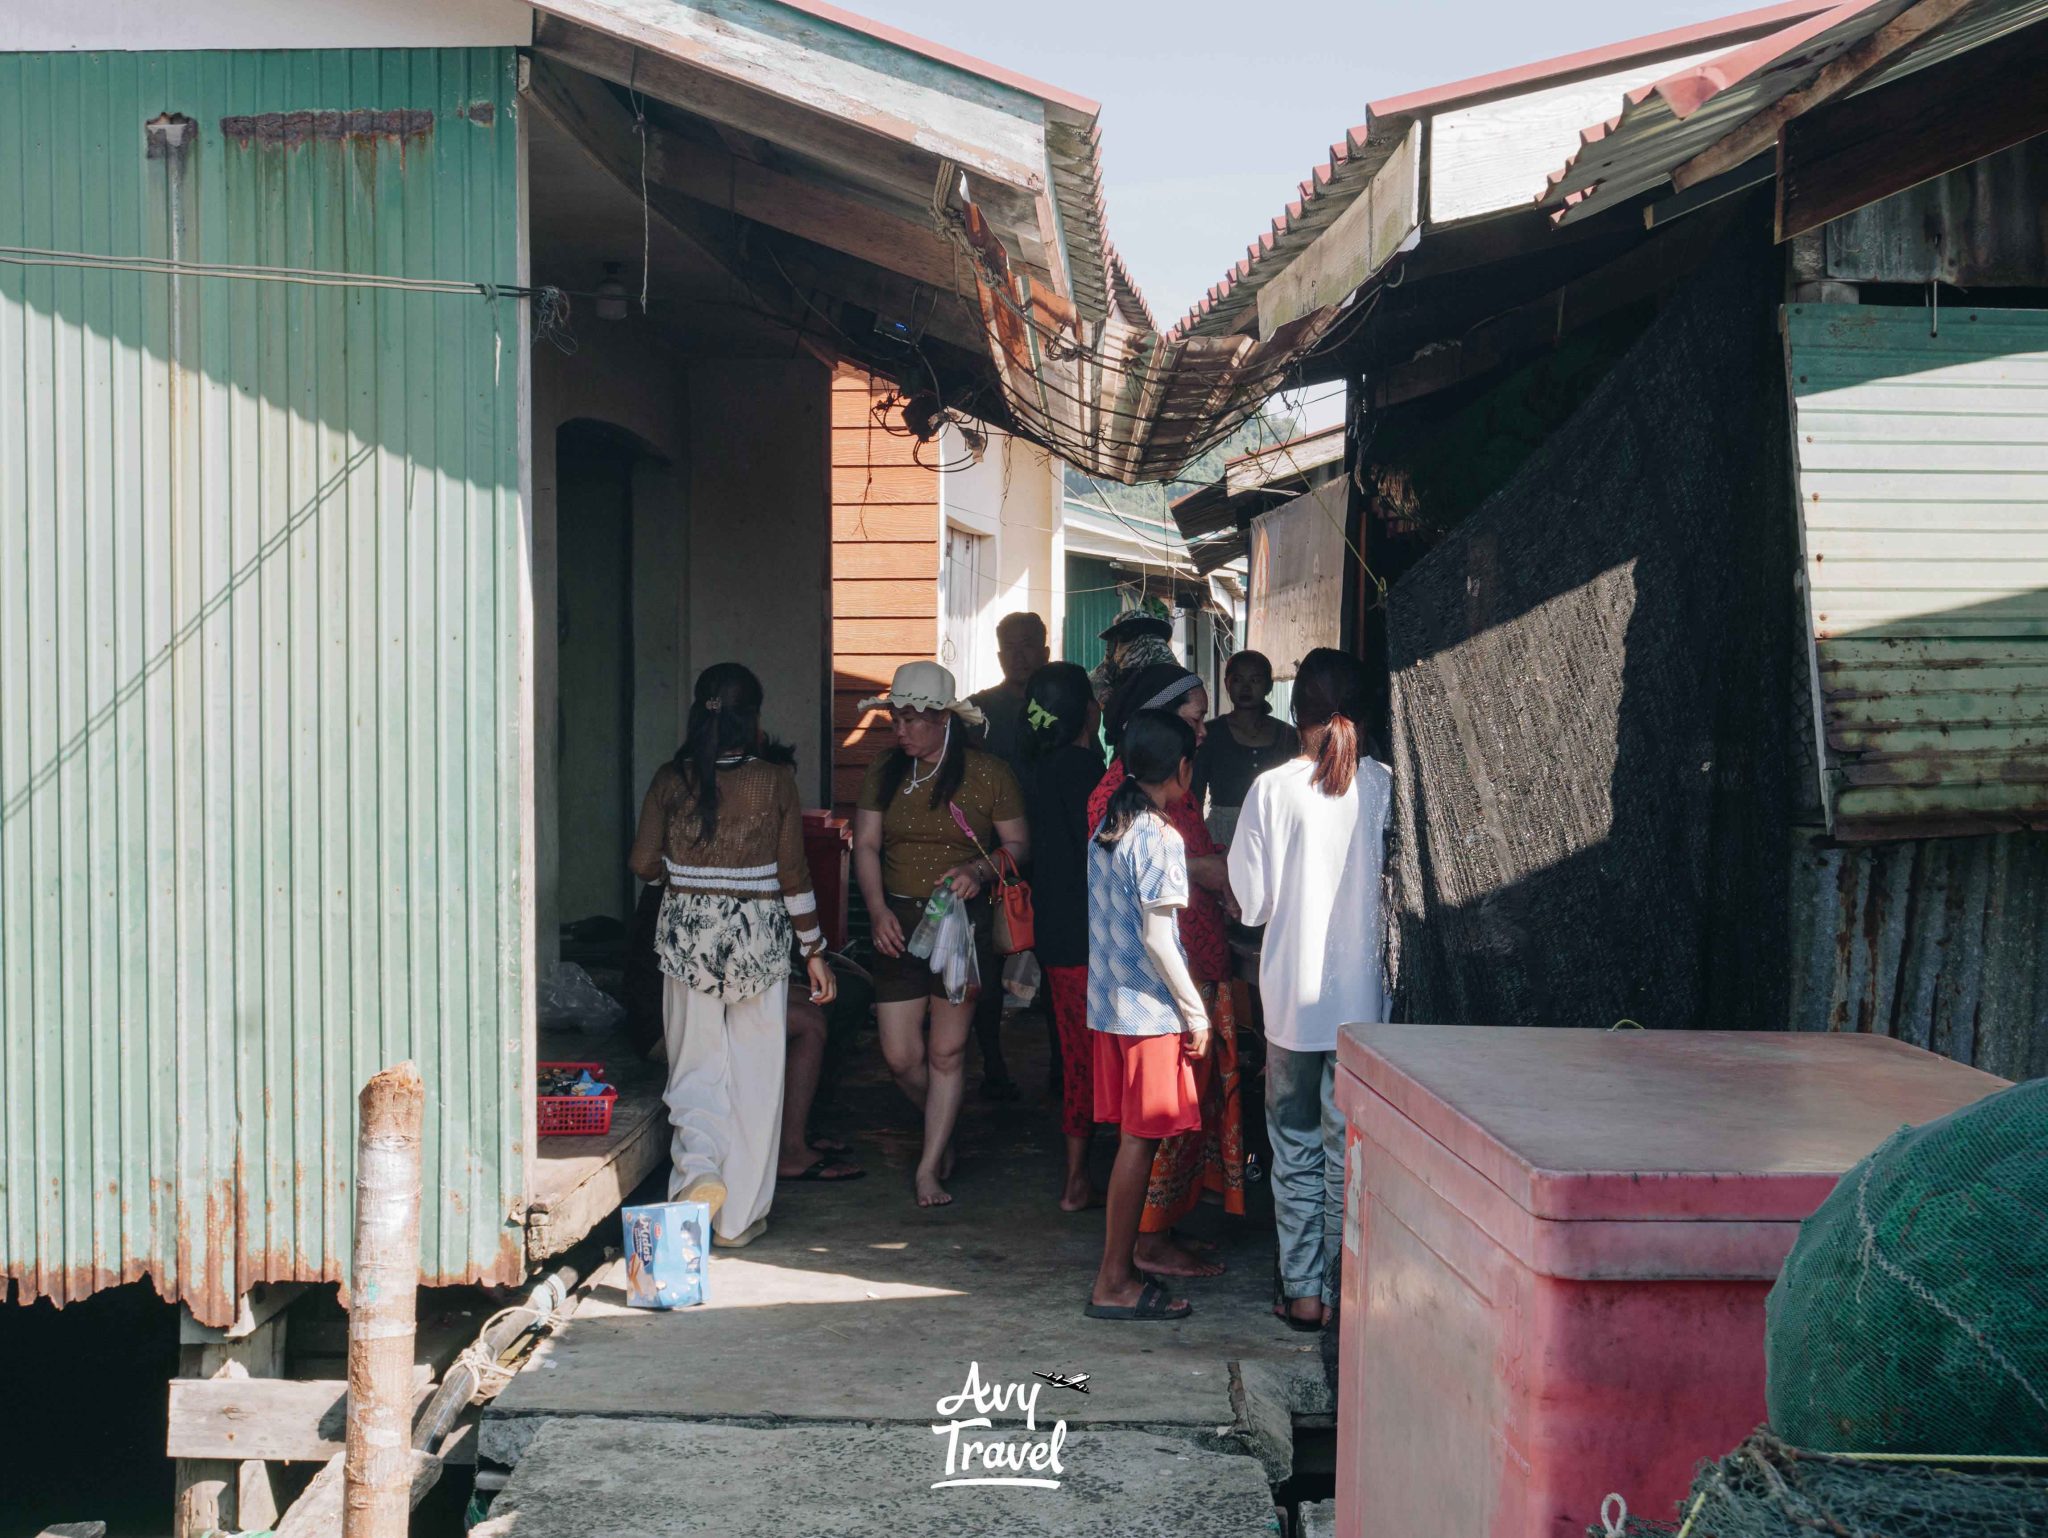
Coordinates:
(708, 1189)
(1151, 1304)
(1288, 1317)
(744, 1237)
(828, 1169)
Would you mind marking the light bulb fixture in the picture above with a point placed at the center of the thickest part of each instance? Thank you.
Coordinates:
(611, 295)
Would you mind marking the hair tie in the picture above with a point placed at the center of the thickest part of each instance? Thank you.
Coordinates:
(714, 704)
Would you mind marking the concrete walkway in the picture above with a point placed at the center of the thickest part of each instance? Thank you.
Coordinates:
(802, 1398)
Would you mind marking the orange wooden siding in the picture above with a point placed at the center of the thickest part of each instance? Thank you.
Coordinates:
(885, 571)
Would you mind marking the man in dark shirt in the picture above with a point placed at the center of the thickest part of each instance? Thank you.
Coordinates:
(1021, 650)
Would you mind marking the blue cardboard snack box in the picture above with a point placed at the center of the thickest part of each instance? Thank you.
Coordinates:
(665, 1249)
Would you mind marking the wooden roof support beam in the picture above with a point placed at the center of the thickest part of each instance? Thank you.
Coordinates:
(1932, 121)
(603, 129)
(1760, 132)
(796, 205)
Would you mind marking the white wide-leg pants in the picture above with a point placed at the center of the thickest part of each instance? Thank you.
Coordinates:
(724, 1095)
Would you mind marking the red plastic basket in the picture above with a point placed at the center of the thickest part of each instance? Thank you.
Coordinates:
(577, 1115)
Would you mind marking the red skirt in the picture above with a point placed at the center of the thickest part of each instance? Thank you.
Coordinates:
(1146, 1085)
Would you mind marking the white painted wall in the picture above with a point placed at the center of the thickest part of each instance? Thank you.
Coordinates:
(1013, 498)
(136, 26)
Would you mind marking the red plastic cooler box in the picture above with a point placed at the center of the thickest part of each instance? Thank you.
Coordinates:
(1557, 1245)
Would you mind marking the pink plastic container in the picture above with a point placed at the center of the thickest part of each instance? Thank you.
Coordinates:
(1556, 1249)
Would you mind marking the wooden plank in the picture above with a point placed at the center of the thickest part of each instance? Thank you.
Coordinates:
(853, 523)
(868, 559)
(263, 1418)
(867, 486)
(1381, 221)
(1758, 134)
(885, 600)
(911, 636)
(861, 674)
(868, 445)
(802, 206)
(579, 1183)
(781, 86)
(1851, 153)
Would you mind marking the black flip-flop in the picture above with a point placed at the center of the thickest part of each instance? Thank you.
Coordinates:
(828, 1169)
(1288, 1317)
(1151, 1304)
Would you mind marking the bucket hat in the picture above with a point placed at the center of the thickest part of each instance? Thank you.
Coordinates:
(925, 686)
(1137, 622)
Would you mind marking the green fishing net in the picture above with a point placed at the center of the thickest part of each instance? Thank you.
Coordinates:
(1912, 1313)
(1765, 1489)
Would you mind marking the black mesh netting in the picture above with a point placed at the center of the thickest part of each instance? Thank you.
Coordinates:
(1767, 1489)
(1912, 1314)
(1590, 729)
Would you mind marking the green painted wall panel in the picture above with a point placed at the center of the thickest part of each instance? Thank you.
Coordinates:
(1093, 602)
(263, 707)
(1923, 499)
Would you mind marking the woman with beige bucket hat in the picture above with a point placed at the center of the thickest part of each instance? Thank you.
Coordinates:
(931, 812)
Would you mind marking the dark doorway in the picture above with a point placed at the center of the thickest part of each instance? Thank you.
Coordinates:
(595, 796)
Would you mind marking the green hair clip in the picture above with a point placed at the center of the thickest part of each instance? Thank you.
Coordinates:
(1039, 717)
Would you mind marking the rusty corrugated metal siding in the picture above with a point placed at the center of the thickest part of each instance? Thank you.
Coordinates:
(263, 702)
(1923, 495)
(1939, 942)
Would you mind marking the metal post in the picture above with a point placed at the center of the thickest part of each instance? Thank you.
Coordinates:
(377, 1464)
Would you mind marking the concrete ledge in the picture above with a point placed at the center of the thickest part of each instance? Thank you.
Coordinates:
(669, 1479)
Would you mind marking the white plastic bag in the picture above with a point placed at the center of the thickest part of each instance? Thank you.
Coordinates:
(570, 1001)
(1021, 978)
(953, 954)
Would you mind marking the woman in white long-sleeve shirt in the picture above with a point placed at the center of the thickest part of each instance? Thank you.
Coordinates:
(1306, 863)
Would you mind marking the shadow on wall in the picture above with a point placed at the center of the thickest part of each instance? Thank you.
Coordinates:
(1590, 721)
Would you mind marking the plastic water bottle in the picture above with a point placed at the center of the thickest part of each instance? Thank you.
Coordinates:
(927, 933)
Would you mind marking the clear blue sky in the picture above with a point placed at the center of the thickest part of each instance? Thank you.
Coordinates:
(1212, 112)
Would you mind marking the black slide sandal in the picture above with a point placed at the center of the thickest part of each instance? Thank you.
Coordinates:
(1151, 1304)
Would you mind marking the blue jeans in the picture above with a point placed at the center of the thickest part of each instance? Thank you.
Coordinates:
(1308, 1170)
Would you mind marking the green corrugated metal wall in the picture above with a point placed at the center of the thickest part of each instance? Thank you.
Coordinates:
(263, 697)
(1092, 602)
(1923, 495)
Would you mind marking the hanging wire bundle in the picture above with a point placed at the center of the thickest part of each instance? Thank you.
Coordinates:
(1769, 1489)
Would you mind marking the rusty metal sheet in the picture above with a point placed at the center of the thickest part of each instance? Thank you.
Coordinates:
(1922, 444)
(263, 695)
(1985, 225)
(1939, 942)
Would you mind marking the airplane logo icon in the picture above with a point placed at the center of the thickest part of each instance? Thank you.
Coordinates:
(1077, 1381)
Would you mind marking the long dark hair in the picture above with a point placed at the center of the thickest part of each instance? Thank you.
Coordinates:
(725, 718)
(1329, 702)
(1155, 744)
(952, 766)
(1056, 705)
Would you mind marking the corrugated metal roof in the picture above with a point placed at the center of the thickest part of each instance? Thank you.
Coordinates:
(1923, 497)
(1333, 185)
(1665, 124)
(264, 701)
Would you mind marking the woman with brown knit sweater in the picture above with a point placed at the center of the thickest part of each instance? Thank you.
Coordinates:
(724, 825)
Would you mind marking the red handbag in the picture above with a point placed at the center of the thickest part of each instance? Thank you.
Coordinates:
(1016, 927)
(1015, 923)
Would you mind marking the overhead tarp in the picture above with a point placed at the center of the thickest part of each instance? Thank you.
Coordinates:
(1297, 578)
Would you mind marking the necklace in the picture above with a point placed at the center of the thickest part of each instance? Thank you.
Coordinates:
(917, 779)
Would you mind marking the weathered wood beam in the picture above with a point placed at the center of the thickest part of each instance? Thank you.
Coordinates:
(604, 131)
(796, 205)
(264, 1418)
(1842, 157)
(1749, 174)
(1836, 79)
(1649, 268)
(254, 1309)
(862, 157)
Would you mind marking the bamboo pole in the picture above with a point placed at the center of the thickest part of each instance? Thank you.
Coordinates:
(377, 1463)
